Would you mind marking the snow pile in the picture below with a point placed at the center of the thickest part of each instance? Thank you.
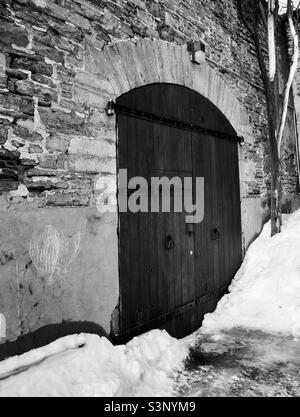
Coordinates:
(265, 293)
(97, 368)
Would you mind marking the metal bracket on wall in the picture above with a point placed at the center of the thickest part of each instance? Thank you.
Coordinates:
(196, 50)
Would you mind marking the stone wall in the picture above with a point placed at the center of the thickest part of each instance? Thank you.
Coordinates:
(60, 63)
(44, 45)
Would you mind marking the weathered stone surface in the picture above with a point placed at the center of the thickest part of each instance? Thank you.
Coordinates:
(11, 85)
(69, 105)
(3, 134)
(29, 88)
(16, 74)
(58, 142)
(7, 184)
(69, 198)
(9, 169)
(33, 64)
(25, 87)
(65, 74)
(48, 52)
(17, 104)
(45, 183)
(90, 146)
(86, 291)
(91, 164)
(41, 172)
(51, 161)
(35, 149)
(13, 34)
(62, 122)
(17, 142)
(98, 121)
(52, 39)
(3, 76)
(43, 80)
(28, 162)
(23, 132)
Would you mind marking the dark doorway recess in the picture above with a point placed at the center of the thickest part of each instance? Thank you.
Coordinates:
(172, 274)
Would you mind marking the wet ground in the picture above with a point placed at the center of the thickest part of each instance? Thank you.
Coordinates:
(241, 363)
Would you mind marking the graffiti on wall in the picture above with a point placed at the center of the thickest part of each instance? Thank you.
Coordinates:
(52, 252)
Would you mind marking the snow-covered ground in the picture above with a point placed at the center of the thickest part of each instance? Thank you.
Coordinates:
(265, 293)
(264, 296)
(142, 367)
(250, 345)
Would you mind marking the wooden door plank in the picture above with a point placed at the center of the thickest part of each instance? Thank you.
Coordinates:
(224, 207)
(147, 148)
(124, 236)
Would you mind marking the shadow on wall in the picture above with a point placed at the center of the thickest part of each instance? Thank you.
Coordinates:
(265, 211)
(46, 335)
(290, 203)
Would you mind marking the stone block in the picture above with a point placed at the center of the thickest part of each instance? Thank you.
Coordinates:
(41, 184)
(65, 74)
(58, 142)
(11, 33)
(91, 146)
(62, 122)
(33, 64)
(3, 134)
(45, 51)
(35, 149)
(91, 164)
(90, 97)
(68, 198)
(17, 104)
(139, 3)
(52, 161)
(29, 88)
(25, 133)
(43, 80)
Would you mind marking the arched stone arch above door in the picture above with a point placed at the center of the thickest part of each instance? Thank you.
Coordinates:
(126, 65)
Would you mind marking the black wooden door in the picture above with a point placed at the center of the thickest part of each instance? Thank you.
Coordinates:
(174, 287)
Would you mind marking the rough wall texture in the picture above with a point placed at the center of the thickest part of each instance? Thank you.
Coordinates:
(58, 147)
(44, 45)
(28, 297)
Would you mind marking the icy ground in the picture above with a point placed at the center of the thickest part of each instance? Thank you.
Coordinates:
(241, 363)
(250, 346)
(265, 293)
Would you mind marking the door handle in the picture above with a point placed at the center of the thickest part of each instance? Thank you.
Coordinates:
(216, 235)
(169, 243)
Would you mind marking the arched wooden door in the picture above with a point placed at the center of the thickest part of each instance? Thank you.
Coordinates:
(169, 130)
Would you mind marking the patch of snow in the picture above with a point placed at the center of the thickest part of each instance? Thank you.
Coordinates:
(22, 191)
(142, 367)
(265, 293)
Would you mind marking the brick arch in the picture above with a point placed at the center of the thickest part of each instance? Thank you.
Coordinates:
(126, 65)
